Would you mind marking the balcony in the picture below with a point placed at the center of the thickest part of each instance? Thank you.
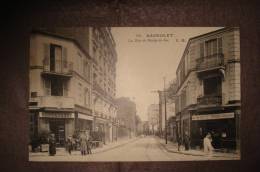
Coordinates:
(58, 69)
(210, 100)
(210, 62)
(57, 102)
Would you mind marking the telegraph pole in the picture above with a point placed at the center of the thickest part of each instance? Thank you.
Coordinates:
(165, 106)
(165, 110)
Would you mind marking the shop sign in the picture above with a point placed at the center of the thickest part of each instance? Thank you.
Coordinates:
(213, 116)
(56, 115)
(86, 117)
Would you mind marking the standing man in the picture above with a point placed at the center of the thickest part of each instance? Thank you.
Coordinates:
(69, 144)
(83, 143)
(52, 145)
(179, 141)
(186, 141)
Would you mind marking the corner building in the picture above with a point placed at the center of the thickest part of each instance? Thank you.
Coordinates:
(208, 94)
(71, 87)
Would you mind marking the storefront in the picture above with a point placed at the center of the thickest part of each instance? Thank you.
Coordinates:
(222, 127)
(84, 122)
(59, 123)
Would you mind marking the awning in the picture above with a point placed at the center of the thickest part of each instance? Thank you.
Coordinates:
(56, 115)
(86, 117)
(213, 116)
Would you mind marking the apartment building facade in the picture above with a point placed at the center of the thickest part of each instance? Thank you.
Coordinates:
(65, 95)
(208, 94)
(102, 49)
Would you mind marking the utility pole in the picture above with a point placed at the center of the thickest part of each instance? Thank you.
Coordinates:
(165, 110)
(165, 107)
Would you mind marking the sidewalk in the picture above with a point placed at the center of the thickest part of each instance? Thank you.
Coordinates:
(104, 148)
(173, 147)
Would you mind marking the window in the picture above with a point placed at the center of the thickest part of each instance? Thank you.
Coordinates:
(33, 94)
(80, 92)
(211, 47)
(47, 86)
(87, 70)
(55, 58)
(183, 99)
(201, 50)
(212, 86)
(87, 97)
(65, 88)
(56, 87)
(95, 77)
(220, 45)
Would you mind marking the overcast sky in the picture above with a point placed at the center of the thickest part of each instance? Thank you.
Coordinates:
(142, 64)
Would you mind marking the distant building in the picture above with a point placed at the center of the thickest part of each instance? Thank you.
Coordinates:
(126, 114)
(153, 118)
(208, 78)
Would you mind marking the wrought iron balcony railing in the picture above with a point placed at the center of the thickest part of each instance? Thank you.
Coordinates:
(211, 61)
(210, 100)
(58, 67)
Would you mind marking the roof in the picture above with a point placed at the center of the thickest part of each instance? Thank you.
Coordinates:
(55, 35)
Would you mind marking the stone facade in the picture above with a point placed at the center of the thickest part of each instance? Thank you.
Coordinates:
(208, 94)
(72, 88)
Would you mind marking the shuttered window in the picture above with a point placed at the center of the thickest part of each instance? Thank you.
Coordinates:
(64, 57)
(202, 49)
(47, 85)
(220, 45)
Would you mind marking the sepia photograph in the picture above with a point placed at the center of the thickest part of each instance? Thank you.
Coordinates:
(113, 94)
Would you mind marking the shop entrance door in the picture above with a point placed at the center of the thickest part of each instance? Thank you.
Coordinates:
(57, 126)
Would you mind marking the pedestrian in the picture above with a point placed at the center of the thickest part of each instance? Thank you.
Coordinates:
(69, 144)
(83, 144)
(179, 142)
(186, 141)
(52, 145)
(89, 146)
(208, 148)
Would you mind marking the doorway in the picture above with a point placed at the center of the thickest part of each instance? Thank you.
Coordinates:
(57, 126)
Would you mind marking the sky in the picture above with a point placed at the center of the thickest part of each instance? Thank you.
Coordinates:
(145, 56)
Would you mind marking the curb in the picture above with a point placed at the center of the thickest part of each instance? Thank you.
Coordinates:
(94, 152)
(186, 153)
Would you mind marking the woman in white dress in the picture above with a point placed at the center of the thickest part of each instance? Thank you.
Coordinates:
(208, 148)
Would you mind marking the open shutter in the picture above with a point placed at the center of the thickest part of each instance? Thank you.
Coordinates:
(202, 49)
(46, 58)
(64, 57)
(47, 85)
(65, 88)
(220, 45)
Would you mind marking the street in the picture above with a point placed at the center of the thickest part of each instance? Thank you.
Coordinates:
(142, 149)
